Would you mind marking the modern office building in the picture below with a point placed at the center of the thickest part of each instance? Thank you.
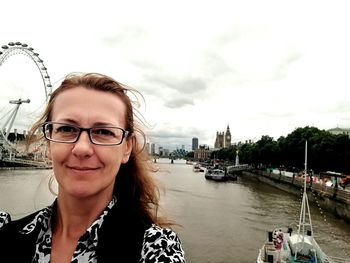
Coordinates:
(153, 149)
(194, 143)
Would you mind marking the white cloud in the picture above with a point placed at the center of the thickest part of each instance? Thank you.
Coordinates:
(263, 67)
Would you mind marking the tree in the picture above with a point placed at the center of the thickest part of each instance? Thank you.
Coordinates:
(325, 151)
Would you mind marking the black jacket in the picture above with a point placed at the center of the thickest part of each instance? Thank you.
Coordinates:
(119, 240)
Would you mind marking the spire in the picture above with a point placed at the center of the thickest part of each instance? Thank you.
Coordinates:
(228, 130)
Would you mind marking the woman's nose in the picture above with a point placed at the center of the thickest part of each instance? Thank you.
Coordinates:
(83, 147)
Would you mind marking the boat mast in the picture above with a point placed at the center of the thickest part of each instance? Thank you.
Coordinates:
(305, 209)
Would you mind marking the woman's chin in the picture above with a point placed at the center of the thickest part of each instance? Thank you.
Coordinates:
(80, 192)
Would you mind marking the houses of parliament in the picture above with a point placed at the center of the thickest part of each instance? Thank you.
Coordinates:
(223, 139)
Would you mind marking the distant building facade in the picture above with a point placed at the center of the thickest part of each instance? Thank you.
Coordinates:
(194, 143)
(219, 140)
(338, 130)
(202, 153)
(163, 152)
(153, 149)
(147, 147)
(15, 136)
(223, 139)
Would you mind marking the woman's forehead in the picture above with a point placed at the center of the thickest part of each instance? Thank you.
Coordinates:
(89, 105)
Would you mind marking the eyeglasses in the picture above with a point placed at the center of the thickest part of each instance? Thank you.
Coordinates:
(69, 133)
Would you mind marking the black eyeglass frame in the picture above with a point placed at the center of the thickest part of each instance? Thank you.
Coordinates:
(88, 130)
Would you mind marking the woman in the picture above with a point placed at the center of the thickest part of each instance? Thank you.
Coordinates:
(106, 207)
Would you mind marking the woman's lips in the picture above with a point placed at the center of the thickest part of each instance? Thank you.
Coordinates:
(82, 168)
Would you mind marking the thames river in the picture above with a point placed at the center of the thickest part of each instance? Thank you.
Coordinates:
(220, 222)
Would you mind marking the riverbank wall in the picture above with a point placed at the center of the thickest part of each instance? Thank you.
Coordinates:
(332, 199)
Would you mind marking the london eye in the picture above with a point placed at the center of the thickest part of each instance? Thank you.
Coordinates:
(7, 120)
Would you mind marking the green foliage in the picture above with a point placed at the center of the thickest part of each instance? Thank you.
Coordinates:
(325, 151)
(190, 154)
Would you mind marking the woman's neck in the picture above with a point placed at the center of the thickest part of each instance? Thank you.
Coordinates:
(75, 215)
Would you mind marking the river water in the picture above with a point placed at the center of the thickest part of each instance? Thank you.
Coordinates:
(221, 222)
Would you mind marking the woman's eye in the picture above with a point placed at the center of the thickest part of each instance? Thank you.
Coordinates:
(66, 129)
(104, 132)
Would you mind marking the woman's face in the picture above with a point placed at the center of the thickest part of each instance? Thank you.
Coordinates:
(83, 169)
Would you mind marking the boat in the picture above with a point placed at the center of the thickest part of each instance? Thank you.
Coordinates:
(196, 167)
(232, 176)
(215, 174)
(284, 245)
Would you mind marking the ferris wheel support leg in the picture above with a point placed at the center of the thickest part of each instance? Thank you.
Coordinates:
(8, 120)
(14, 117)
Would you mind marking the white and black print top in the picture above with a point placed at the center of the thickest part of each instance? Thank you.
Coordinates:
(159, 244)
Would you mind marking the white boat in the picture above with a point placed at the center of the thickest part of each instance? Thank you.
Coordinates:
(197, 168)
(215, 174)
(285, 245)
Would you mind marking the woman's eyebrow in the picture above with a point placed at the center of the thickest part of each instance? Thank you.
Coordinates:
(67, 120)
(105, 124)
(98, 123)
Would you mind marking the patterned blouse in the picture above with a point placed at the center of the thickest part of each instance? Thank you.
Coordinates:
(155, 237)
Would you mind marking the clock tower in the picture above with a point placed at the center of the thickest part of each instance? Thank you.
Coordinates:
(227, 137)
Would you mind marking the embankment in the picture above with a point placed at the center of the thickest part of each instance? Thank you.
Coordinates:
(334, 200)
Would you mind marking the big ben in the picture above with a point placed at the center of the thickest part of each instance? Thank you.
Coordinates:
(227, 137)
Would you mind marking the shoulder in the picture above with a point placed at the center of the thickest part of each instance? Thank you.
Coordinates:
(6, 224)
(13, 238)
(161, 245)
(5, 218)
(24, 225)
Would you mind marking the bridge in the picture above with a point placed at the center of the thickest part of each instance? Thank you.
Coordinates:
(19, 162)
(236, 169)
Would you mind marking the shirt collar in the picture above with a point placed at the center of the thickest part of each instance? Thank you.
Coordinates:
(44, 217)
(96, 225)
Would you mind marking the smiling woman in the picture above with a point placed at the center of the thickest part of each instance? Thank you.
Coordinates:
(107, 203)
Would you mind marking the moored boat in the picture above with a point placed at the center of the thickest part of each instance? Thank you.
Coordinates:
(284, 245)
(232, 176)
(215, 174)
(196, 167)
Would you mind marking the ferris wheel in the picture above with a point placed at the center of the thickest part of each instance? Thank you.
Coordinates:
(6, 51)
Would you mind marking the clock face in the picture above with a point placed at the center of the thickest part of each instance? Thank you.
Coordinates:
(228, 137)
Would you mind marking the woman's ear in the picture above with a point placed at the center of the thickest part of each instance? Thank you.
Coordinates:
(129, 142)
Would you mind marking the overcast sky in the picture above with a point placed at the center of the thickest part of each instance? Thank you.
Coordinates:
(261, 67)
